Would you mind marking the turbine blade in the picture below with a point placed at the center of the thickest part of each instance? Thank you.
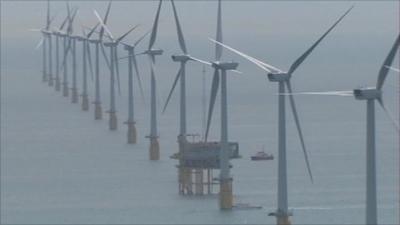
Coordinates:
(124, 35)
(389, 114)
(103, 51)
(65, 54)
(89, 55)
(177, 77)
(35, 29)
(218, 48)
(296, 119)
(213, 96)
(155, 26)
(179, 29)
(257, 62)
(332, 93)
(92, 31)
(48, 15)
(53, 18)
(105, 20)
(63, 23)
(117, 69)
(200, 61)
(107, 12)
(141, 38)
(71, 22)
(102, 24)
(133, 58)
(39, 44)
(388, 62)
(392, 68)
(301, 59)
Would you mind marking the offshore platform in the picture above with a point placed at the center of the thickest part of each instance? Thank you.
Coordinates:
(196, 162)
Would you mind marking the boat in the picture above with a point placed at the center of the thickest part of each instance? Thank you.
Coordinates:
(261, 155)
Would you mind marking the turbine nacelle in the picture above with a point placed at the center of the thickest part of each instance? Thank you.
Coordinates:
(225, 65)
(47, 32)
(63, 34)
(278, 77)
(94, 41)
(110, 44)
(153, 52)
(367, 93)
(180, 58)
(128, 47)
(75, 37)
(80, 38)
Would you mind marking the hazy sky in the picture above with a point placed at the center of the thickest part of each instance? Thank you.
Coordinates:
(275, 31)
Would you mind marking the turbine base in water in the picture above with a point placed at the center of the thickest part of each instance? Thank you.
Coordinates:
(51, 82)
(57, 86)
(283, 220)
(65, 90)
(154, 149)
(131, 135)
(98, 112)
(74, 98)
(45, 78)
(113, 121)
(225, 194)
(85, 103)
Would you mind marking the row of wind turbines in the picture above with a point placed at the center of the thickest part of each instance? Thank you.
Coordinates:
(105, 39)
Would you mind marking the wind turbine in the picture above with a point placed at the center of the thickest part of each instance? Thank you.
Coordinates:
(57, 34)
(67, 46)
(98, 112)
(86, 58)
(114, 69)
(74, 88)
(44, 42)
(225, 194)
(132, 134)
(370, 95)
(154, 148)
(283, 78)
(182, 59)
(50, 45)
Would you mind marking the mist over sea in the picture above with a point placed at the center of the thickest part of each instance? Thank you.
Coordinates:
(59, 165)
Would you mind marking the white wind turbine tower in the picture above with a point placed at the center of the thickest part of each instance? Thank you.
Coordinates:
(45, 42)
(50, 46)
(283, 78)
(182, 59)
(225, 194)
(132, 134)
(57, 34)
(370, 95)
(114, 69)
(74, 88)
(154, 149)
(86, 58)
(98, 112)
(67, 47)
